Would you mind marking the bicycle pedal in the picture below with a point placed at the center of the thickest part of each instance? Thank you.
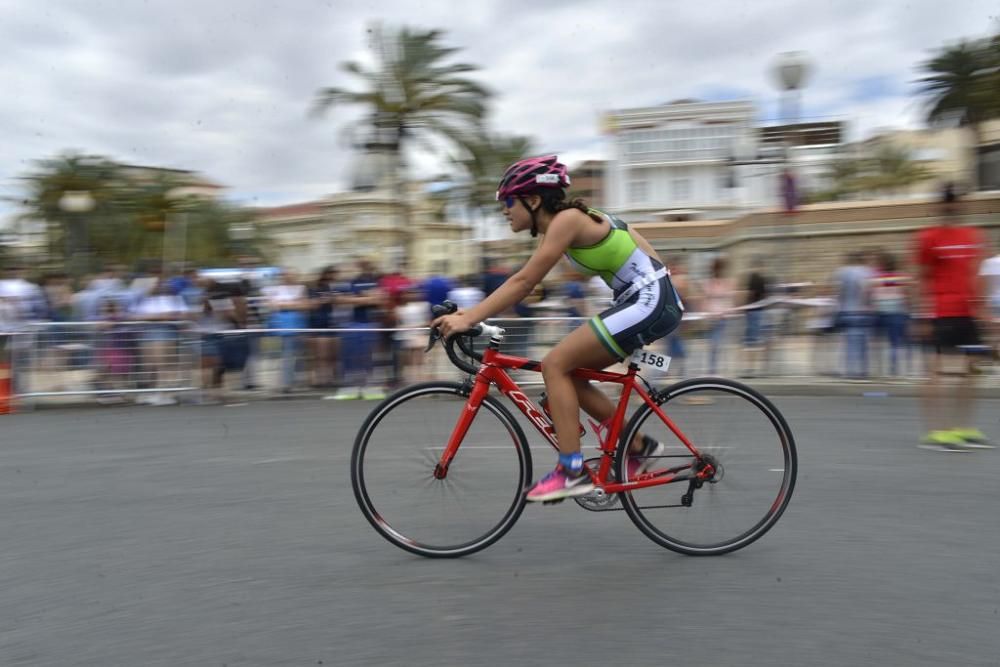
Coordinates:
(553, 502)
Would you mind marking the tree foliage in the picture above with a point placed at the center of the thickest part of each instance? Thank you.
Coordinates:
(960, 83)
(412, 94)
(131, 217)
(484, 159)
(889, 170)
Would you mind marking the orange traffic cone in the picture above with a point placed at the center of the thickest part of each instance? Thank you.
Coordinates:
(6, 404)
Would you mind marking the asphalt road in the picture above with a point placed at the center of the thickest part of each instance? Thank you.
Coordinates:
(230, 536)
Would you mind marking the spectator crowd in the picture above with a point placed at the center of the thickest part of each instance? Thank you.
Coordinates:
(353, 330)
(358, 332)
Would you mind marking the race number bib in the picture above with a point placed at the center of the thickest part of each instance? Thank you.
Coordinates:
(650, 361)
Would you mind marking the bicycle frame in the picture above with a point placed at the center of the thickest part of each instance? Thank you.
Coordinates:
(493, 371)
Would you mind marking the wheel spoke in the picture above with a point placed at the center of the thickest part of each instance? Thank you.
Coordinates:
(748, 441)
(393, 467)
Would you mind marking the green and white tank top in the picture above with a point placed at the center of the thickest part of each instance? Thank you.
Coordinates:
(616, 258)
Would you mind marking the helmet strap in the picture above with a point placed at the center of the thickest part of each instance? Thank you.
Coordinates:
(534, 221)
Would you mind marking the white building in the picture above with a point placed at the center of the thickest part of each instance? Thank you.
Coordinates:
(708, 160)
(672, 162)
(811, 149)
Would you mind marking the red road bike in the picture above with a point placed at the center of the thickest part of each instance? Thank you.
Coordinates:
(440, 468)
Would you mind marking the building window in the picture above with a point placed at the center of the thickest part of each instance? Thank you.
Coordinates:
(988, 167)
(726, 180)
(678, 144)
(638, 191)
(682, 189)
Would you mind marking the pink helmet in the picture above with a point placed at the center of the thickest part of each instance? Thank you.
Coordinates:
(532, 174)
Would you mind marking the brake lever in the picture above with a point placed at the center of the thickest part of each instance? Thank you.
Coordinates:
(432, 339)
(443, 308)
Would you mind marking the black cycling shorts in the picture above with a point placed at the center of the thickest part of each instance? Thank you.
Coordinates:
(648, 315)
(951, 334)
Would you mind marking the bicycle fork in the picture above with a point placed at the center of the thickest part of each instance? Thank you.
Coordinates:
(479, 390)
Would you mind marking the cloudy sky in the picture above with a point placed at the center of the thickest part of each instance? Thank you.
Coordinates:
(224, 87)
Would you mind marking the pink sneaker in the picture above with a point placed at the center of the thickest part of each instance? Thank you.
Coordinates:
(558, 485)
(641, 461)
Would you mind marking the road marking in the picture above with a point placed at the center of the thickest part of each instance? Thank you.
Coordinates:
(477, 447)
(285, 459)
(709, 448)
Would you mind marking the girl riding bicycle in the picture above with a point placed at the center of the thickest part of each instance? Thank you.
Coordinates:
(646, 307)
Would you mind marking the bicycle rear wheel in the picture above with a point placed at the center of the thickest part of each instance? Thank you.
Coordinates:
(745, 437)
(393, 462)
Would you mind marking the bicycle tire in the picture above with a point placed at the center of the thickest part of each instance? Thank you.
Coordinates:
(738, 469)
(405, 413)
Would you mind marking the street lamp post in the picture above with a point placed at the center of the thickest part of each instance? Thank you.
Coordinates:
(790, 71)
(77, 203)
(180, 199)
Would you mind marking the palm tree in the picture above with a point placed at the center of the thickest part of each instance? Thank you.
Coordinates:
(890, 169)
(990, 76)
(844, 173)
(485, 157)
(412, 95)
(157, 223)
(71, 233)
(129, 217)
(957, 90)
(893, 168)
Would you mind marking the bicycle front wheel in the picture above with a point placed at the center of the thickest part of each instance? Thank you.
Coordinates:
(393, 462)
(749, 443)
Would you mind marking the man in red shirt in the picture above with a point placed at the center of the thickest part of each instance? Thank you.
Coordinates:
(394, 285)
(948, 257)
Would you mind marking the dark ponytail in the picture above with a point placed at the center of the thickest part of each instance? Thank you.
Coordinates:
(554, 201)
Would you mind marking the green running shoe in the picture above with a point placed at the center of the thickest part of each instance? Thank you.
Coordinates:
(372, 394)
(943, 441)
(973, 438)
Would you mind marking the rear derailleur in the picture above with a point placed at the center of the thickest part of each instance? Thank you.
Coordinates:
(707, 469)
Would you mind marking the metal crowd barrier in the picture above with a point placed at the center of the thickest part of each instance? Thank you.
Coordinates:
(160, 362)
(148, 359)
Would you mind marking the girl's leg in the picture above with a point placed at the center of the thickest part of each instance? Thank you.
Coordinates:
(596, 403)
(566, 395)
(580, 349)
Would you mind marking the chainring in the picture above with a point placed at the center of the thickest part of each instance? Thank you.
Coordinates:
(597, 500)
